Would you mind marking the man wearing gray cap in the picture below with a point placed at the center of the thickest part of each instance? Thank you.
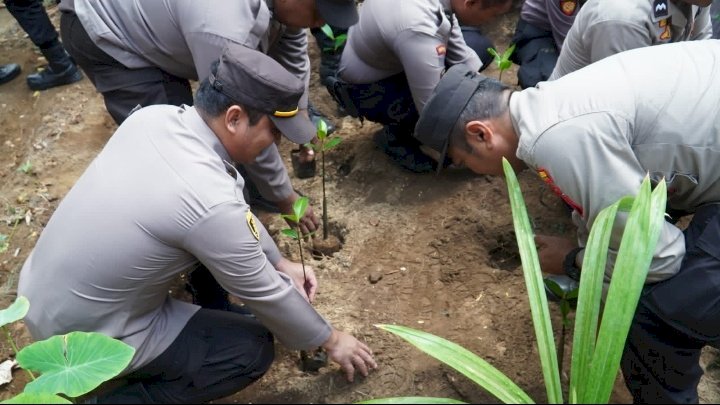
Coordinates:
(162, 197)
(593, 136)
(145, 52)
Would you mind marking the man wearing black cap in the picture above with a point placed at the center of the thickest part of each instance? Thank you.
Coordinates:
(145, 52)
(162, 197)
(593, 136)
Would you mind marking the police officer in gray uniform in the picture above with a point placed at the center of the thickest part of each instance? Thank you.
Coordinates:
(593, 136)
(539, 36)
(145, 52)
(112, 249)
(605, 27)
(393, 59)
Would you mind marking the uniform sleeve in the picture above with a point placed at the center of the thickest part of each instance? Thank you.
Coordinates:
(224, 243)
(205, 48)
(610, 37)
(423, 60)
(703, 25)
(291, 52)
(458, 51)
(270, 175)
(591, 162)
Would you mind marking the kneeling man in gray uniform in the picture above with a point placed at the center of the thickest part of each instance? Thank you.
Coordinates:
(161, 198)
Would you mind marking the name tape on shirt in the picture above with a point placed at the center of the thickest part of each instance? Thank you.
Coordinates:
(252, 225)
(568, 7)
(545, 176)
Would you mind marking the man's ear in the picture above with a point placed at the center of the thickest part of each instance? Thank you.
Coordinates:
(478, 133)
(233, 117)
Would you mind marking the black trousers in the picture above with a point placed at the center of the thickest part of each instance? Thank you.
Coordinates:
(535, 52)
(218, 353)
(675, 319)
(122, 88)
(33, 19)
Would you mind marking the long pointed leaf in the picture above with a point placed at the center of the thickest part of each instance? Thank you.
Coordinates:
(332, 142)
(465, 362)
(15, 312)
(644, 224)
(412, 400)
(328, 31)
(536, 290)
(299, 207)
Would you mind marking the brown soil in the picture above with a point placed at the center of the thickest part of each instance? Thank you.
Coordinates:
(434, 253)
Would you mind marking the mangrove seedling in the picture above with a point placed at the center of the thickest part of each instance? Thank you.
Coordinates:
(325, 143)
(503, 61)
(568, 300)
(338, 41)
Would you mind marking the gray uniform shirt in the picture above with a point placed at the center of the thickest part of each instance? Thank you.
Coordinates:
(555, 16)
(161, 196)
(411, 36)
(183, 37)
(606, 27)
(595, 134)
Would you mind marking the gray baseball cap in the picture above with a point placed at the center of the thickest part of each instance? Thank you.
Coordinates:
(447, 101)
(257, 81)
(338, 13)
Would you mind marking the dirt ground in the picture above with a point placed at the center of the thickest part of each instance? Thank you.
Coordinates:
(433, 253)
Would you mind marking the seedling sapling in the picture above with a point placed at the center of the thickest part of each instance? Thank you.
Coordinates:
(325, 143)
(568, 299)
(503, 61)
(318, 358)
(338, 41)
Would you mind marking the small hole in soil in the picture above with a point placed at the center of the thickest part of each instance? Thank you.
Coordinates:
(502, 249)
(333, 244)
(346, 166)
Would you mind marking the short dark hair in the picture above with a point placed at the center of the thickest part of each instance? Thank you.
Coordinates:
(214, 103)
(487, 102)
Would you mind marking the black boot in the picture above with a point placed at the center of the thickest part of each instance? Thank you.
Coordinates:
(61, 70)
(9, 72)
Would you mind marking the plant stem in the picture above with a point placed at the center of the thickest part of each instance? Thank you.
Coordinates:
(11, 341)
(302, 258)
(500, 77)
(561, 348)
(324, 215)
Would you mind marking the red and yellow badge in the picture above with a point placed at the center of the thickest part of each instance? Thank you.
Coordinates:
(441, 50)
(545, 176)
(568, 7)
(252, 225)
(664, 25)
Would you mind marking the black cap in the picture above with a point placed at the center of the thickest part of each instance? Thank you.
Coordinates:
(257, 81)
(338, 13)
(447, 101)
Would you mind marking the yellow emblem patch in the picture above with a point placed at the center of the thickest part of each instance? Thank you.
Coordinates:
(568, 7)
(665, 34)
(252, 225)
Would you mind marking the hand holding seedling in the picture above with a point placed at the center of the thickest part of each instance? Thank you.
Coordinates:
(552, 251)
(308, 222)
(305, 282)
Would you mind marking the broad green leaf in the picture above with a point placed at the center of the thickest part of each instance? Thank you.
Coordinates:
(291, 218)
(508, 52)
(74, 364)
(299, 207)
(494, 53)
(555, 288)
(464, 361)
(642, 231)
(328, 31)
(41, 398)
(412, 400)
(15, 312)
(536, 292)
(340, 40)
(332, 142)
(504, 65)
(321, 129)
(290, 232)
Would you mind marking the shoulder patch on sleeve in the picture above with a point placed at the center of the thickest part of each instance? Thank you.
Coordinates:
(568, 7)
(545, 176)
(252, 225)
(665, 32)
(660, 9)
(441, 50)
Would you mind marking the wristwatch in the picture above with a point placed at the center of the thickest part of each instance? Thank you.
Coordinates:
(569, 267)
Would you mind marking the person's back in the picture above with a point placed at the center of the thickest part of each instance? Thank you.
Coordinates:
(605, 27)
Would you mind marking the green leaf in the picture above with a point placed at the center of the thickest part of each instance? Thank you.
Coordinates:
(299, 207)
(412, 400)
(464, 361)
(74, 364)
(504, 65)
(508, 52)
(25, 167)
(642, 231)
(41, 398)
(290, 217)
(555, 288)
(494, 53)
(332, 142)
(340, 40)
(328, 31)
(290, 232)
(15, 312)
(536, 292)
(321, 129)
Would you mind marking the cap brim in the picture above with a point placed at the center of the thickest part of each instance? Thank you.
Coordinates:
(298, 129)
(343, 15)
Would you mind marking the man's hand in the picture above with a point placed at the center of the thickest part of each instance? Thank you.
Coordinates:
(351, 354)
(306, 284)
(552, 251)
(309, 223)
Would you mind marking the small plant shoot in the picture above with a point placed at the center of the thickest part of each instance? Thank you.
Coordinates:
(299, 207)
(324, 144)
(338, 41)
(26, 167)
(503, 61)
